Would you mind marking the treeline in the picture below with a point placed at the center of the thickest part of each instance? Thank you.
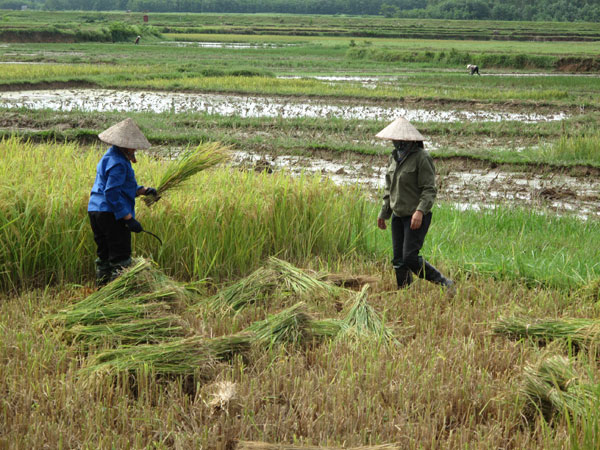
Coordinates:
(533, 10)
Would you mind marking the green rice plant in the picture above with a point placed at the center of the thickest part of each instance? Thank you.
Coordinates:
(134, 332)
(290, 326)
(581, 333)
(248, 290)
(363, 320)
(571, 149)
(554, 387)
(189, 163)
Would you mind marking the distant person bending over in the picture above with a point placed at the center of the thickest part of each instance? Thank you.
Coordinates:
(137, 40)
(408, 199)
(474, 69)
(111, 208)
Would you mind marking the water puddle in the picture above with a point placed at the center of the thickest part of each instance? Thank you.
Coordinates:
(232, 45)
(472, 189)
(100, 100)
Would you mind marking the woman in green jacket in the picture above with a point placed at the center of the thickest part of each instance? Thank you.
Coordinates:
(408, 198)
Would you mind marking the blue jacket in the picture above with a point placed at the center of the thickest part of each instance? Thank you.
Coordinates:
(115, 187)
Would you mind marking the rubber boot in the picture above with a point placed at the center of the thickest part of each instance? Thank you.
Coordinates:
(403, 277)
(117, 267)
(430, 273)
(103, 272)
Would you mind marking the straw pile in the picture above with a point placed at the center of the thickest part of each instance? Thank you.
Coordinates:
(189, 163)
(554, 387)
(578, 332)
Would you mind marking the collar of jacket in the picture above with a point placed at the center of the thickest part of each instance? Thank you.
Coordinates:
(400, 156)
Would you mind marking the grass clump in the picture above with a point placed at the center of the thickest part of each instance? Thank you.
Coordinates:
(189, 163)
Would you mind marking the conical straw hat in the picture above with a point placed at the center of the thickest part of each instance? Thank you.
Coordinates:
(125, 134)
(400, 130)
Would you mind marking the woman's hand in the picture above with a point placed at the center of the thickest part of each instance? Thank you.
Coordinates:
(416, 220)
(381, 224)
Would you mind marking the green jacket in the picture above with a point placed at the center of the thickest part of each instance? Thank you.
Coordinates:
(409, 185)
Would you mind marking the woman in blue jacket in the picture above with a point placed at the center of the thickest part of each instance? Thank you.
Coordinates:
(111, 208)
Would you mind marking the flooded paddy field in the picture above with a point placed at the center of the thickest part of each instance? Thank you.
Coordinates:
(468, 186)
(100, 100)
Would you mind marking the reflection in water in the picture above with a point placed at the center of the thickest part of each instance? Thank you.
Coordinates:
(244, 106)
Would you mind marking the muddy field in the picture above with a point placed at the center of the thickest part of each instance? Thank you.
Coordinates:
(467, 185)
(100, 100)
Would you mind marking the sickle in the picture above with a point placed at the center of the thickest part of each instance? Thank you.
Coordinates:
(152, 234)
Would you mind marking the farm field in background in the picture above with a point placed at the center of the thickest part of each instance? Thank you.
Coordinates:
(298, 99)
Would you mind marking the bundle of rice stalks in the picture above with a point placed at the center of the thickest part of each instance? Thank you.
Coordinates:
(246, 291)
(192, 161)
(554, 387)
(181, 357)
(141, 331)
(363, 320)
(141, 291)
(578, 332)
(298, 281)
(290, 326)
(327, 328)
(224, 348)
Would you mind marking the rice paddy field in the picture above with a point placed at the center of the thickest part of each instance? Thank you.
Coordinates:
(267, 317)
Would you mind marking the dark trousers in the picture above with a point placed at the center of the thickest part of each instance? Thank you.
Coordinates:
(407, 243)
(112, 237)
